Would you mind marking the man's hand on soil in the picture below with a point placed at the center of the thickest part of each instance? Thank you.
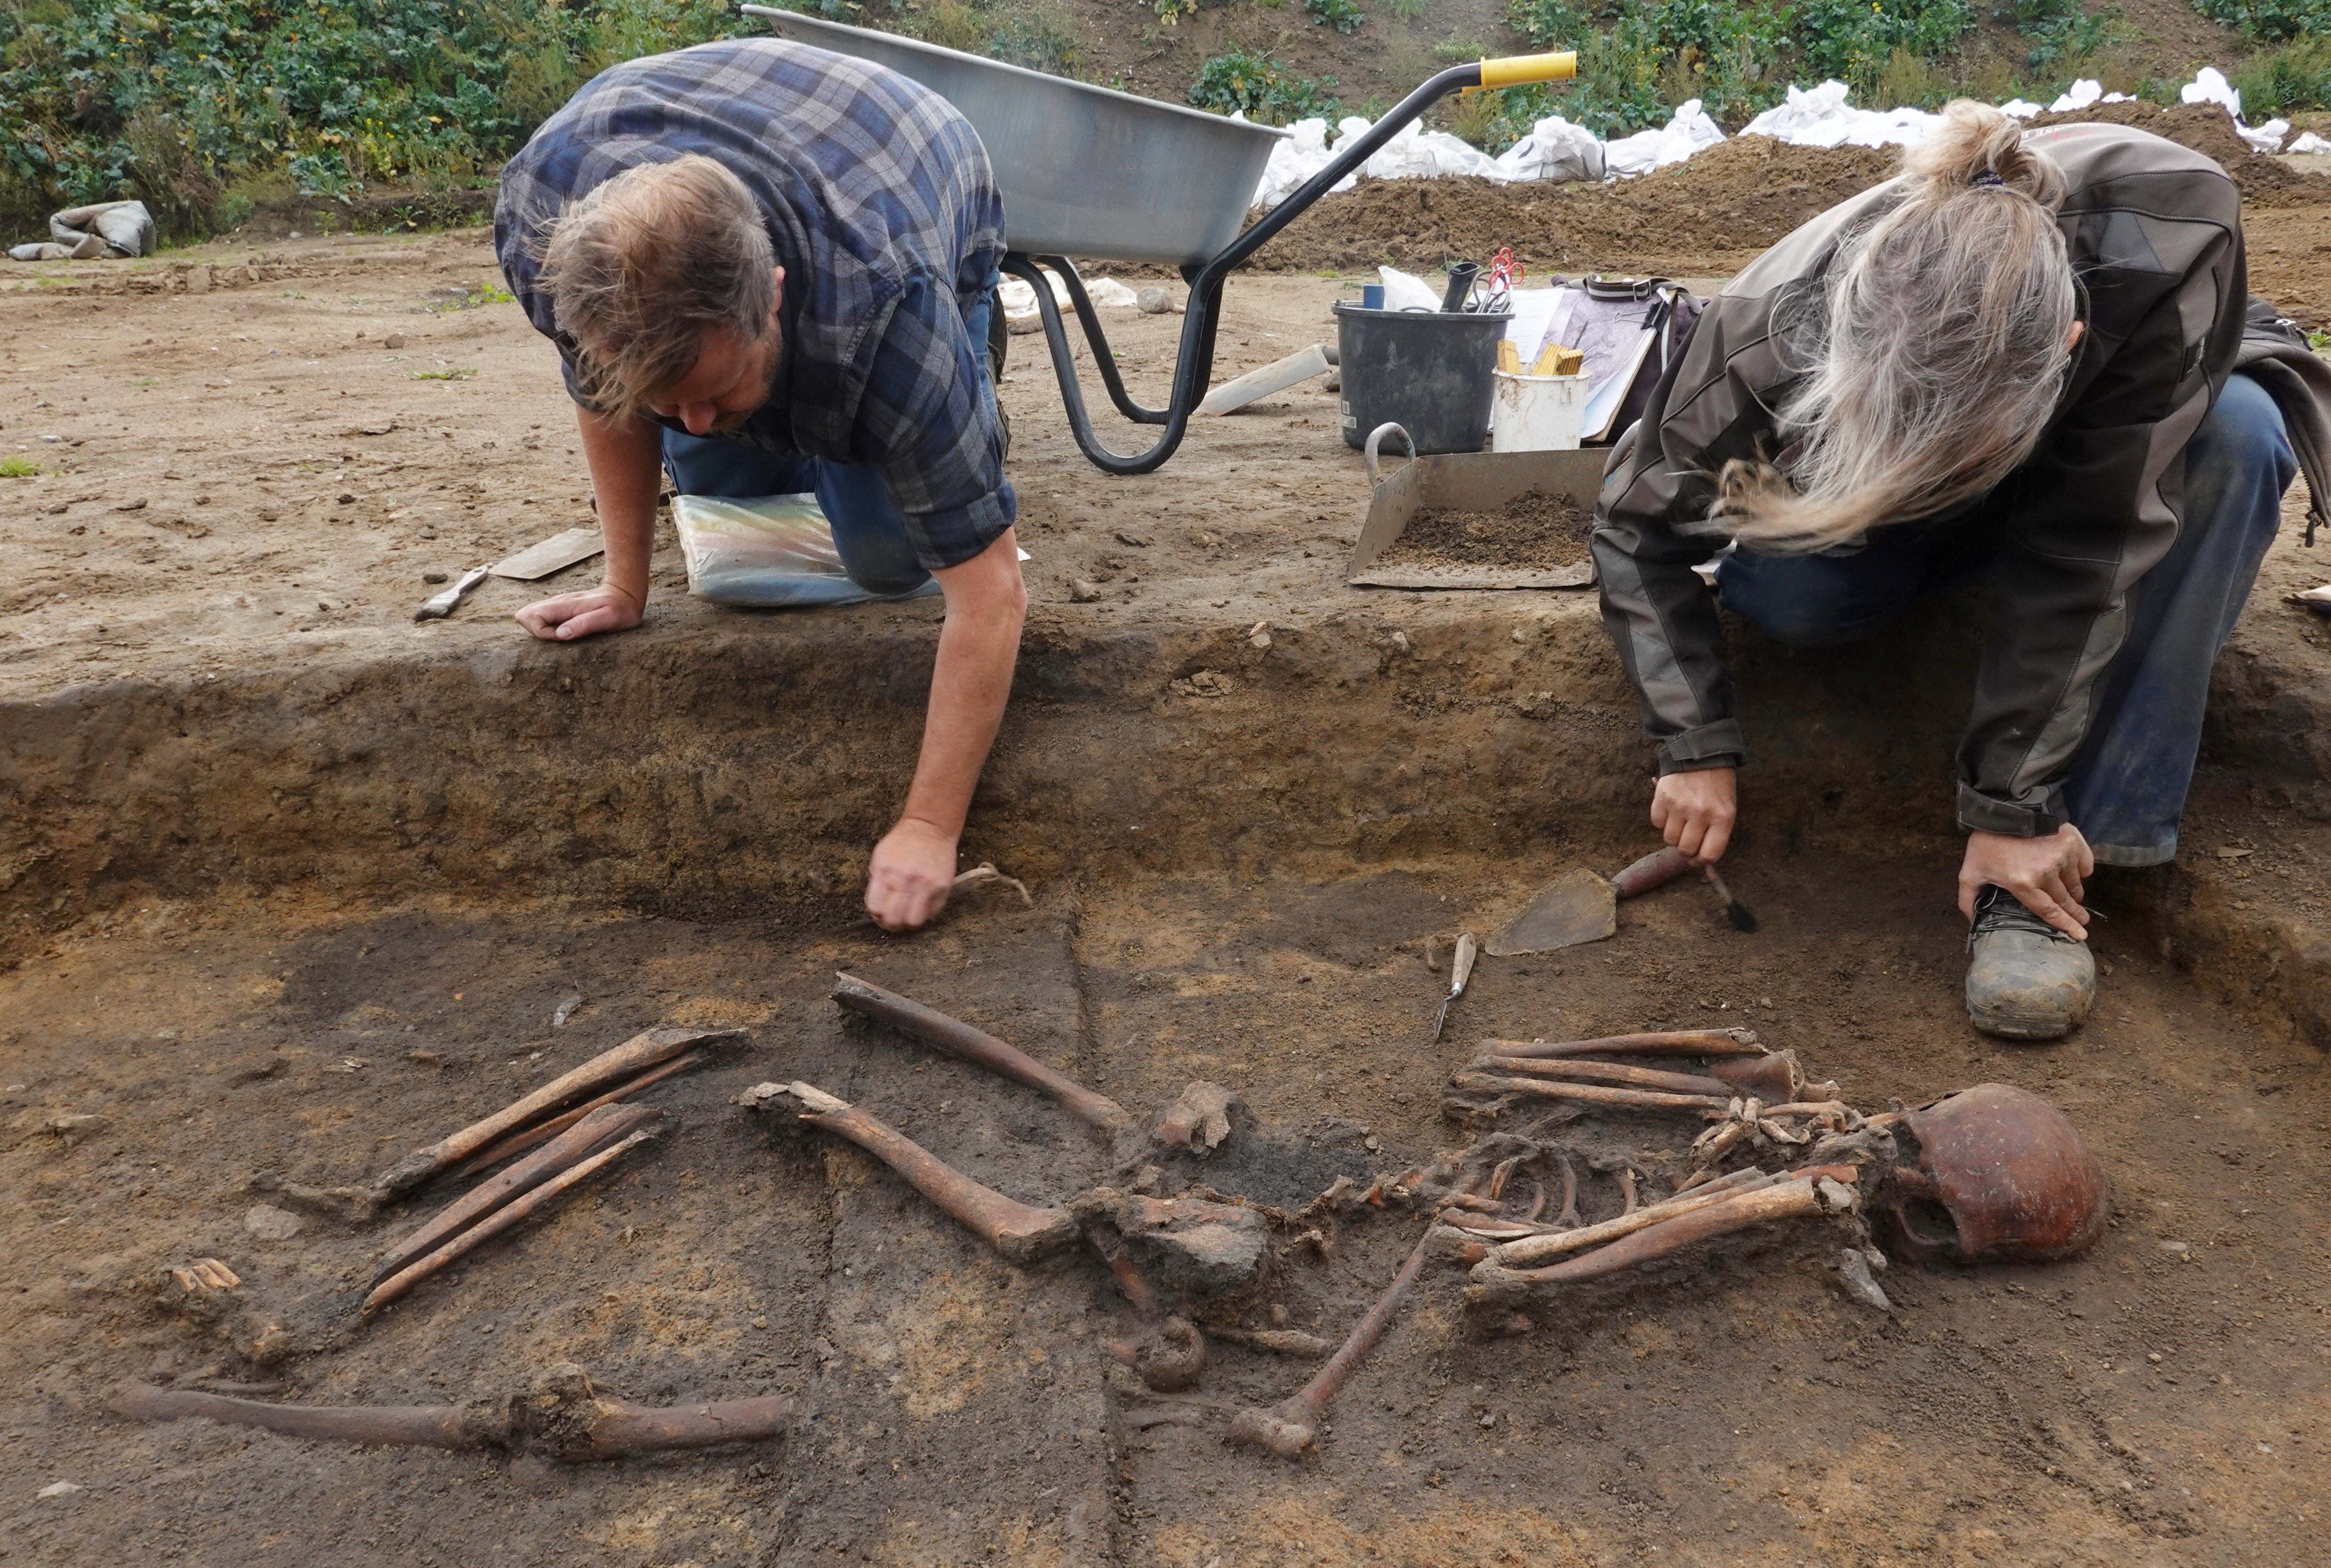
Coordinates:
(1695, 811)
(605, 608)
(2045, 874)
(912, 873)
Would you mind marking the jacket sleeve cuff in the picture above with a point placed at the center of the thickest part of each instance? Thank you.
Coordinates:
(1980, 813)
(1716, 745)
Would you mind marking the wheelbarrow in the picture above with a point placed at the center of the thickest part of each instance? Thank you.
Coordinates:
(1088, 171)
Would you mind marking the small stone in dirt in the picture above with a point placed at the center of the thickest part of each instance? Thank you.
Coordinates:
(270, 1223)
(1260, 636)
(393, 340)
(1154, 300)
(136, 506)
(433, 577)
(1083, 590)
(347, 498)
(564, 1011)
(72, 1127)
(1126, 537)
(1205, 683)
(60, 1489)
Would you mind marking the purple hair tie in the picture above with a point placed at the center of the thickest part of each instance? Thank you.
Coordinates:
(1987, 177)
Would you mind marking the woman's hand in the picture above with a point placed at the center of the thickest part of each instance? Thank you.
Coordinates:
(605, 608)
(1695, 811)
(2046, 875)
(911, 875)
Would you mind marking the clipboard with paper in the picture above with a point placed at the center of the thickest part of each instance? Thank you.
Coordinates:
(1615, 323)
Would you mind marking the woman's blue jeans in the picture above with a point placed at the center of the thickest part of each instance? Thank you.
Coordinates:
(868, 534)
(2127, 787)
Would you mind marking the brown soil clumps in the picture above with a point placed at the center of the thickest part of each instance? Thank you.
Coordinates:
(1534, 530)
(1739, 195)
(2209, 130)
(1705, 215)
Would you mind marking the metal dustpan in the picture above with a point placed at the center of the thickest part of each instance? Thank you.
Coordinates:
(1468, 482)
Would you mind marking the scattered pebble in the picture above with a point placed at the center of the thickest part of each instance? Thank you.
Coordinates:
(2178, 1248)
(60, 1489)
(270, 1223)
(393, 340)
(433, 577)
(1154, 300)
(564, 1011)
(1083, 590)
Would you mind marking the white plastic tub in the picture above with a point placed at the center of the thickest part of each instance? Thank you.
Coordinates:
(1537, 412)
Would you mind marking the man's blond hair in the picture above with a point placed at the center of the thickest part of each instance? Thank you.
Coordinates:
(642, 264)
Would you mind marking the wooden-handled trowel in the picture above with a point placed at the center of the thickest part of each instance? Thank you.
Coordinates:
(1581, 907)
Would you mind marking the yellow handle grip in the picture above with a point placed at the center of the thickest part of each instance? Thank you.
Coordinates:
(1517, 69)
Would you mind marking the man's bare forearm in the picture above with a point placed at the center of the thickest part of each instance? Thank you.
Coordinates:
(971, 682)
(626, 459)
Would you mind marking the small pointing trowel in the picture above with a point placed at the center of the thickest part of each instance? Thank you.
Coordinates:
(1460, 969)
(1581, 907)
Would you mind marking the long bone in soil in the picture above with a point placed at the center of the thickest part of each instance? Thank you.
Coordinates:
(543, 1132)
(977, 1046)
(562, 1415)
(1292, 1425)
(1589, 1093)
(586, 1139)
(1608, 1072)
(502, 1219)
(627, 1060)
(1661, 1042)
(1018, 1231)
(1826, 1192)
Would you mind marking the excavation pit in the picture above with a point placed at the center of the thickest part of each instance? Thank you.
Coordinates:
(306, 899)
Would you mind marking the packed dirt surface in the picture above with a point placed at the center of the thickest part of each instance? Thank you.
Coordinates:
(1533, 529)
(289, 883)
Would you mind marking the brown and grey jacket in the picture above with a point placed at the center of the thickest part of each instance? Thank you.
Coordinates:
(2154, 235)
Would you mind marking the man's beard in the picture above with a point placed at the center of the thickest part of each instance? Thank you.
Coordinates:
(729, 423)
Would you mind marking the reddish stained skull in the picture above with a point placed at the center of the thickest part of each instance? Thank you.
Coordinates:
(1995, 1174)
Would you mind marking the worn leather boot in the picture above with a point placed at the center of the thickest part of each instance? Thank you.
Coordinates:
(2025, 979)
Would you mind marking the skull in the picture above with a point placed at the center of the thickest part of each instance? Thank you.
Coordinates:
(1996, 1174)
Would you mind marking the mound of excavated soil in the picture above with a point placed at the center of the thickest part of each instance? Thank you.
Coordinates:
(2209, 130)
(1534, 530)
(1739, 195)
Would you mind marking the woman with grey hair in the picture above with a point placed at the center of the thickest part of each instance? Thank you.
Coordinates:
(2034, 352)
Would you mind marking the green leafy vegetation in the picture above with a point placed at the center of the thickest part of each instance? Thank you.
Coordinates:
(1263, 89)
(2272, 20)
(458, 373)
(1344, 16)
(18, 467)
(2296, 75)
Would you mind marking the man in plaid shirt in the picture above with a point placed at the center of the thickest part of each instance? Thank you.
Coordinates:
(770, 269)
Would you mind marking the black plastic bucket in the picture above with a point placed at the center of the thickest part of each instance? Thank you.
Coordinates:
(1427, 370)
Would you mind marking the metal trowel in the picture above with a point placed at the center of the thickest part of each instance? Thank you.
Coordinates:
(1581, 907)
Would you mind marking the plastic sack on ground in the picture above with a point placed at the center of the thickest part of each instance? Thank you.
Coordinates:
(2209, 86)
(1304, 153)
(2267, 138)
(767, 553)
(1555, 149)
(85, 233)
(1687, 131)
(2309, 142)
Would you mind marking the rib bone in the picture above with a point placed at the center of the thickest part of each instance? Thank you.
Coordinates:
(1015, 1230)
(974, 1045)
(1536, 1248)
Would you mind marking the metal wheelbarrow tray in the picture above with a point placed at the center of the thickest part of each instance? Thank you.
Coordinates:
(1087, 170)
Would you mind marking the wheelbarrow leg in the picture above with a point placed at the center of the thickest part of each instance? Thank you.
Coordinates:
(1104, 357)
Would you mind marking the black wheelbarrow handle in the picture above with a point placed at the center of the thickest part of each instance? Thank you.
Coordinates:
(1193, 363)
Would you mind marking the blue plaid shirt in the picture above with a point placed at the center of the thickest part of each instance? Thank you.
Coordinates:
(884, 215)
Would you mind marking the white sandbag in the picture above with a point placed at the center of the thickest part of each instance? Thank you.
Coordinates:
(1555, 149)
(2267, 138)
(2209, 86)
(1687, 131)
(2077, 96)
(2309, 142)
(1300, 155)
